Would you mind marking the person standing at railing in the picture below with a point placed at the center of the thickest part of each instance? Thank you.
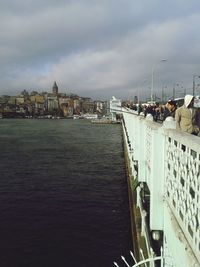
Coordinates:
(170, 109)
(150, 109)
(186, 116)
(139, 109)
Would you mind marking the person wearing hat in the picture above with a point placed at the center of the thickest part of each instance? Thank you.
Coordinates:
(170, 109)
(185, 116)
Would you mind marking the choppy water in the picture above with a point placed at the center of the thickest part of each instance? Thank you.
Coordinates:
(63, 194)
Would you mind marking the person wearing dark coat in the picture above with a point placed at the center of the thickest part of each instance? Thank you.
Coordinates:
(170, 109)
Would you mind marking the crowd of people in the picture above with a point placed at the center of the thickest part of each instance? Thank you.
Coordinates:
(186, 116)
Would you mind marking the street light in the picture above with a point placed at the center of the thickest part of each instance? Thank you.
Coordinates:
(163, 94)
(174, 89)
(194, 76)
(152, 79)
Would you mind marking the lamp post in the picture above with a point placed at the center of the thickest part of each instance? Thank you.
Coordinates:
(163, 94)
(194, 76)
(152, 79)
(174, 89)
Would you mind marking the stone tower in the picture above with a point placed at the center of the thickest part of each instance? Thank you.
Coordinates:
(55, 88)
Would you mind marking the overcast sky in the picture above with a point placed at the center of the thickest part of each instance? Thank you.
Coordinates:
(99, 48)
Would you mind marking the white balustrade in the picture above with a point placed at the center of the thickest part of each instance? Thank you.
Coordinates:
(169, 162)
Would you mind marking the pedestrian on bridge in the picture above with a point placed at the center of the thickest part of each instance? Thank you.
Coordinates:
(186, 116)
(170, 109)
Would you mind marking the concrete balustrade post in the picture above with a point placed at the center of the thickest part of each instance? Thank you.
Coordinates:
(143, 223)
(156, 185)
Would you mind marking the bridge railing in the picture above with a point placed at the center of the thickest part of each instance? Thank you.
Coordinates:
(168, 161)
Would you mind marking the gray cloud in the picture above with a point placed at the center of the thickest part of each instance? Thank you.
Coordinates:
(98, 48)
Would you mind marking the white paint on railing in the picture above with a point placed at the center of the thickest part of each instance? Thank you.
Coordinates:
(152, 259)
(169, 162)
(144, 228)
(132, 255)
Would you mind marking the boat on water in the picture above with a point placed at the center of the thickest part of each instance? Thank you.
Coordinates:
(105, 121)
(76, 117)
(88, 116)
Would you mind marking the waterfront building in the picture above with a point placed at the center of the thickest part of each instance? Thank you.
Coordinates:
(37, 98)
(9, 108)
(19, 100)
(77, 103)
(12, 100)
(64, 110)
(66, 104)
(38, 104)
(99, 107)
(77, 106)
(20, 109)
(52, 103)
(5, 99)
(65, 100)
(39, 108)
(29, 109)
(87, 105)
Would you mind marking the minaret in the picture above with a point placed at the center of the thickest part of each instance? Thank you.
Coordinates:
(55, 88)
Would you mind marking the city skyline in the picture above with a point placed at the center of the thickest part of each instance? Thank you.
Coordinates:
(54, 90)
(99, 48)
(49, 105)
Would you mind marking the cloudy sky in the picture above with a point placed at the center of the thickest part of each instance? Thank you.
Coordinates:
(100, 48)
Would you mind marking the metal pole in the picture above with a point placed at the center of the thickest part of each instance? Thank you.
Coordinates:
(193, 88)
(193, 84)
(152, 81)
(174, 91)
